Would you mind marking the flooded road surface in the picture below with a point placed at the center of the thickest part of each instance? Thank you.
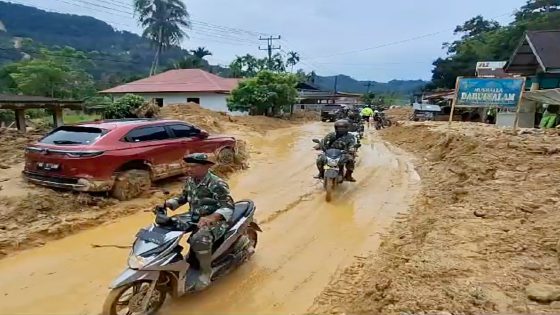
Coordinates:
(304, 243)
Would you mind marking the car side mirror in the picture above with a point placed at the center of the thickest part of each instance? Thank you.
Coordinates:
(316, 141)
(203, 134)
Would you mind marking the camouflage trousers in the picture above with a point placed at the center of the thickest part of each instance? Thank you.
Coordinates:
(203, 239)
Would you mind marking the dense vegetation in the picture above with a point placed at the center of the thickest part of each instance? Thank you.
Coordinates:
(267, 93)
(484, 40)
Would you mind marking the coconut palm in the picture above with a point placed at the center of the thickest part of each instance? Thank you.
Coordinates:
(163, 22)
(201, 52)
(293, 59)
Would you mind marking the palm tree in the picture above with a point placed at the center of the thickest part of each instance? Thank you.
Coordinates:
(293, 59)
(163, 22)
(201, 52)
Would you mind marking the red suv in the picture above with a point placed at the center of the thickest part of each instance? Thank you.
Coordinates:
(121, 156)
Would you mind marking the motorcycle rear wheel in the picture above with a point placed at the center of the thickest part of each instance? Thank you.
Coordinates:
(114, 305)
(387, 123)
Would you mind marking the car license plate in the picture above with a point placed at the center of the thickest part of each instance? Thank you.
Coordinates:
(48, 166)
(150, 236)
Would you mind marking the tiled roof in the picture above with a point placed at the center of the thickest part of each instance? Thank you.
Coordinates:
(181, 80)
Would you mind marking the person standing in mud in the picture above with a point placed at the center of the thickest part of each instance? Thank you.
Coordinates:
(211, 207)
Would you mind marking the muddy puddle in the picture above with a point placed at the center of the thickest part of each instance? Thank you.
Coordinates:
(304, 244)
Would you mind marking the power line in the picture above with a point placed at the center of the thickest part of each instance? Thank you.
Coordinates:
(270, 47)
(395, 42)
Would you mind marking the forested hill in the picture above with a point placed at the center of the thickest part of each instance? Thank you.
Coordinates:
(118, 51)
(487, 40)
(347, 84)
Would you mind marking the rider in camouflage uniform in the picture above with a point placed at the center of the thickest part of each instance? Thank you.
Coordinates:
(342, 140)
(211, 207)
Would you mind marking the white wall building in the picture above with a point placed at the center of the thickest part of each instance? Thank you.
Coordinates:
(180, 87)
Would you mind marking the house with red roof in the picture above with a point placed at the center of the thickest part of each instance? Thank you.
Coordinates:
(180, 87)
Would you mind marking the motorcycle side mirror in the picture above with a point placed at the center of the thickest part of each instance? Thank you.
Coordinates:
(357, 145)
(316, 141)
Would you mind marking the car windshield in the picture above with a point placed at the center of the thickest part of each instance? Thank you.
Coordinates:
(73, 135)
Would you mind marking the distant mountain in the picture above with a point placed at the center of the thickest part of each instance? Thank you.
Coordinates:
(113, 51)
(350, 85)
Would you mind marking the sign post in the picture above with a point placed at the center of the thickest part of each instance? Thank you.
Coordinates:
(489, 92)
(454, 100)
(518, 110)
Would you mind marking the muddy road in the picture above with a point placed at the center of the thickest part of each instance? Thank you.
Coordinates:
(304, 244)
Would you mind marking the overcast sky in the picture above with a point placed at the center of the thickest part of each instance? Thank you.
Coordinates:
(367, 39)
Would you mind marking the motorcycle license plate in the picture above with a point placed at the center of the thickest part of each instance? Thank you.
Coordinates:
(326, 167)
(151, 237)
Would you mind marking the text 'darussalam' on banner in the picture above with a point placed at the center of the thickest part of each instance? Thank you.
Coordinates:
(486, 92)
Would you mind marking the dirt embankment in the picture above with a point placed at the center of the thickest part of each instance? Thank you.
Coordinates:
(480, 238)
(12, 144)
(399, 113)
(31, 215)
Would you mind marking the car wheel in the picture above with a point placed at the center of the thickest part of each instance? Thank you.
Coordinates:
(226, 156)
(130, 184)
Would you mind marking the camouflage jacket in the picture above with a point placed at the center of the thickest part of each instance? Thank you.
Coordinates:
(212, 187)
(345, 143)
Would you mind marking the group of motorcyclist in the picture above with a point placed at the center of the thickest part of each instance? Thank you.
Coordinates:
(212, 219)
(349, 120)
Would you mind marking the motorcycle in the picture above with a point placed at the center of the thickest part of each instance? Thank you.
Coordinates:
(156, 266)
(385, 122)
(334, 171)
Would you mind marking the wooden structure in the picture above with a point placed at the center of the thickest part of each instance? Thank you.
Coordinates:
(19, 103)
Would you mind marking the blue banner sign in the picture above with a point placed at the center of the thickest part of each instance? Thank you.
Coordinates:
(486, 92)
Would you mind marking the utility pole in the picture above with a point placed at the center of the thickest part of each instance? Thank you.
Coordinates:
(368, 86)
(335, 84)
(270, 47)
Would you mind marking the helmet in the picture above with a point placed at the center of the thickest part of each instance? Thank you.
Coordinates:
(198, 158)
(341, 127)
(376, 111)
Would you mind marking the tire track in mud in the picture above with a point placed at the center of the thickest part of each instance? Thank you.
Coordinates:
(306, 241)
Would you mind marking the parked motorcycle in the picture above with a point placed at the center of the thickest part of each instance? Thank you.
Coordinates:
(334, 172)
(156, 266)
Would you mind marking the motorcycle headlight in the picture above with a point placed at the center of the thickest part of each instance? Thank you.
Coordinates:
(332, 162)
(137, 262)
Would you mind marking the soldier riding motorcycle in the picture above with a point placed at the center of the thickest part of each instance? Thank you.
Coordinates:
(342, 140)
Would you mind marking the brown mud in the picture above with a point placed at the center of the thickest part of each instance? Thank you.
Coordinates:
(304, 243)
(481, 235)
(31, 215)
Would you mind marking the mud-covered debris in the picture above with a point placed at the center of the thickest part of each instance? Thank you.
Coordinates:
(541, 292)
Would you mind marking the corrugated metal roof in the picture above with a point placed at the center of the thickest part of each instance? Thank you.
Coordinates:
(546, 45)
(537, 49)
(181, 80)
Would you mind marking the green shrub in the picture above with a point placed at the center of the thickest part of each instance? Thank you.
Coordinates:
(124, 107)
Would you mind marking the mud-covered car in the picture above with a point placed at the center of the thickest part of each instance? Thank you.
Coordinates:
(329, 112)
(119, 156)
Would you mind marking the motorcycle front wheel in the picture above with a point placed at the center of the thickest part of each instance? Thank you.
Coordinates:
(128, 299)
(329, 188)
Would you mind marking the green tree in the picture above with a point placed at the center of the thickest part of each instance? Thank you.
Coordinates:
(124, 107)
(268, 93)
(201, 52)
(293, 59)
(57, 73)
(368, 98)
(163, 22)
(485, 40)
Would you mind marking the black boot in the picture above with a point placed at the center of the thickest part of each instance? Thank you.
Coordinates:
(321, 174)
(349, 177)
